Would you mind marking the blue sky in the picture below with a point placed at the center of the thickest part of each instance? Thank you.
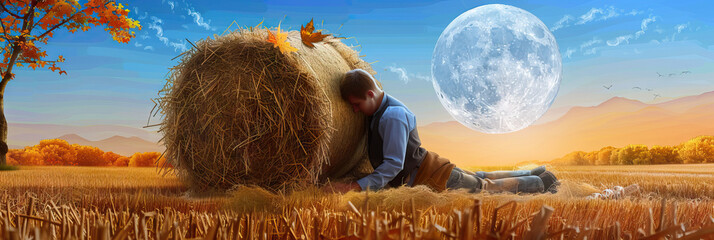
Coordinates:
(620, 43)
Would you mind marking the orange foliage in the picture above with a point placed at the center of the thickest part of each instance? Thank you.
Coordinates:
(11, 161)
(280, 40)
(309, 36)
(146, 159)
(27, 157)
(27, 23)
(111, 157)
(696, 150)
(122, 162)
(59, 152)
(90, 156)
(56, 152)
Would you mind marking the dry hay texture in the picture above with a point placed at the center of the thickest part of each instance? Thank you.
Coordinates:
(238, 111)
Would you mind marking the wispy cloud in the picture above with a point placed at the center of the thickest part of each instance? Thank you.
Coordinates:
(589, 16)
(679, 29)
(619, 40)
(634, 12)
(587, 47)
(404, 76)
(569, 52)
(589, 43)
(598, 14)
(199, 20)
(155, 25)
(592, 15)
(590, 51)
(626, 38)
(611, 12)
(401, 72)
(139, 15)
(562, 22)
(171, 4)
(423, 77)
(149, 48)
(643, 26)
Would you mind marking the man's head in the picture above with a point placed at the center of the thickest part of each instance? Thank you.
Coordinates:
(360, 89)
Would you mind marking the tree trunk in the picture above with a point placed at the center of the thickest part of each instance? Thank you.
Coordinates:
(3, 130)
(27, 24)
(3, 121)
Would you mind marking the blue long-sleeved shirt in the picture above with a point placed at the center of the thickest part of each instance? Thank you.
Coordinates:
(394, 128)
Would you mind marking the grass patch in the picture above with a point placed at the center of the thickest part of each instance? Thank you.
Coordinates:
(8, 168)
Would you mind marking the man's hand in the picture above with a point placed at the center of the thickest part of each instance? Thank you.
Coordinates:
(339, 187)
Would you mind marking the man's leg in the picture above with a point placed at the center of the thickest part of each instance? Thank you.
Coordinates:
(509, 174)
(523, 184)
(459, 179)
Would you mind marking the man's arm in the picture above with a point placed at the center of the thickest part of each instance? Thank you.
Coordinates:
(394, 131)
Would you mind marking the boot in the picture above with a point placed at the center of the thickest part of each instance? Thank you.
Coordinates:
(550, 182)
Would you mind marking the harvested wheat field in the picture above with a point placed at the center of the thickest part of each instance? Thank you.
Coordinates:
(139, 203)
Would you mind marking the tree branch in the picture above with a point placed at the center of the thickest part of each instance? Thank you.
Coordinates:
(58, 25)
(16, 47)
(67, 20)
(2, 4)
(7, 37)
(43, 17)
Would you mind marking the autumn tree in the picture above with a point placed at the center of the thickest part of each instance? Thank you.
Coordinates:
(698, 150)
(111, 157)
(26, 157)
(633, 154)
(57, 152)
(664, 155)
(90, 156)
(614, 155)
(145, 159)
(26, 23)
(603, 156)
(121, 162)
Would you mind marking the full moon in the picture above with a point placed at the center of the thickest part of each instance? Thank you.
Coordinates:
(496, 68)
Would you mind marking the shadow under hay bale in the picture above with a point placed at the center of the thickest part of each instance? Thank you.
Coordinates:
(238, 111)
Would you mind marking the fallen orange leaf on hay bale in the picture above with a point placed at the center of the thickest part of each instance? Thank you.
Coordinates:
(279, 40)
(308, 35)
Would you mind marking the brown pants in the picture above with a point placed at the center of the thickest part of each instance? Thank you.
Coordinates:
(434, 171)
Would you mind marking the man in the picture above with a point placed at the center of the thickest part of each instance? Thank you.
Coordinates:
(398, 159)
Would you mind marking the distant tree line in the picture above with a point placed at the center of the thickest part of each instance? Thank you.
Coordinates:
(696, 150)
(58, 152)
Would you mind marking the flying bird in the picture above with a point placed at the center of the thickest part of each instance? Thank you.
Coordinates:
(655, 96)
(607, 87)
(637, 88)
(659, 75)
(671, 74)
(686, 72)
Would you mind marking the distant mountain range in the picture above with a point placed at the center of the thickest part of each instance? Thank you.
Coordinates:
(123, 140)
(616, 122)
(125, 146)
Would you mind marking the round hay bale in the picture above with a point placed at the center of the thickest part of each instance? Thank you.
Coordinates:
(238, 111)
